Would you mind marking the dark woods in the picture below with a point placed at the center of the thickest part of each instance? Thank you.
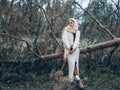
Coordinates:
(30, 29)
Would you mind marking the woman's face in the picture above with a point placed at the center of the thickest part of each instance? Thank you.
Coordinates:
(71, 23)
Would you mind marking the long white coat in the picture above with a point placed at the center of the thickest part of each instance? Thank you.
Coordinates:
(67, 38)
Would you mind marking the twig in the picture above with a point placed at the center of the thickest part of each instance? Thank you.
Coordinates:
(101, 25)
(111, 53)
(63, 65)
(116, 4)
(28, 45)
(39, 51)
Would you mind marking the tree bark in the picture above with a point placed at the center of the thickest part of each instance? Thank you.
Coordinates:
(87, 49)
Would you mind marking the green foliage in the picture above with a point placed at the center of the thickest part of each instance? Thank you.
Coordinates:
(86, 42)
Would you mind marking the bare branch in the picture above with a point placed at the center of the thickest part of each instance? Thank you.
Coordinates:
(28, 46)
(54, 37)
(101, 25)
(111, 53)
(116, 4)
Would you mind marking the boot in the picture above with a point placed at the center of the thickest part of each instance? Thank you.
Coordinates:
(80, 84)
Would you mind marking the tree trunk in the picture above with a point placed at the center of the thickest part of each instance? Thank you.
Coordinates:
(87, 49)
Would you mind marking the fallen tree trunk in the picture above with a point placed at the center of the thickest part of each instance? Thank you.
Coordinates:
(88, 49)
(102, 45)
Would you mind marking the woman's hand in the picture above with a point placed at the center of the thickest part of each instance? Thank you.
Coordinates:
(71, 51)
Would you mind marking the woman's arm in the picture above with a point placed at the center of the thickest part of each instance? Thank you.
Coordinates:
(64, 39)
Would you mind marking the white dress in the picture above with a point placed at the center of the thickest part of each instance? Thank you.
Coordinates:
(67, 38)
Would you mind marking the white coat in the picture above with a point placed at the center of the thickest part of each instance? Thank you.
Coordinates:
(67, 38)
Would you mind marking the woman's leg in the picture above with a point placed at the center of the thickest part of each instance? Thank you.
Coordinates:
(76, 71)
(77, 67)
(71, 67)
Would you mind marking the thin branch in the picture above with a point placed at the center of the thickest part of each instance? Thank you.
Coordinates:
(101, 25)
(28, 45)
(54, 37)
(39, 51)
(63, 65)
(116, 4)
(111, 53)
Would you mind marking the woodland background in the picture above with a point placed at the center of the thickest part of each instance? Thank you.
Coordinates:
(32, 28)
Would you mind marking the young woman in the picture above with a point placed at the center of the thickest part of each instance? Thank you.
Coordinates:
(71, 39)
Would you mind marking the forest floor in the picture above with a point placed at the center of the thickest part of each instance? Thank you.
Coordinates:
(113, 84)
(15, 76)
(41, 86)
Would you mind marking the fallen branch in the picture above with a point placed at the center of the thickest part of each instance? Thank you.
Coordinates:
(88, 49)
(102, 45)
(114, 42)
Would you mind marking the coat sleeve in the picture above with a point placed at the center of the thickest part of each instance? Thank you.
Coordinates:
(77, 40)
(64, 39)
